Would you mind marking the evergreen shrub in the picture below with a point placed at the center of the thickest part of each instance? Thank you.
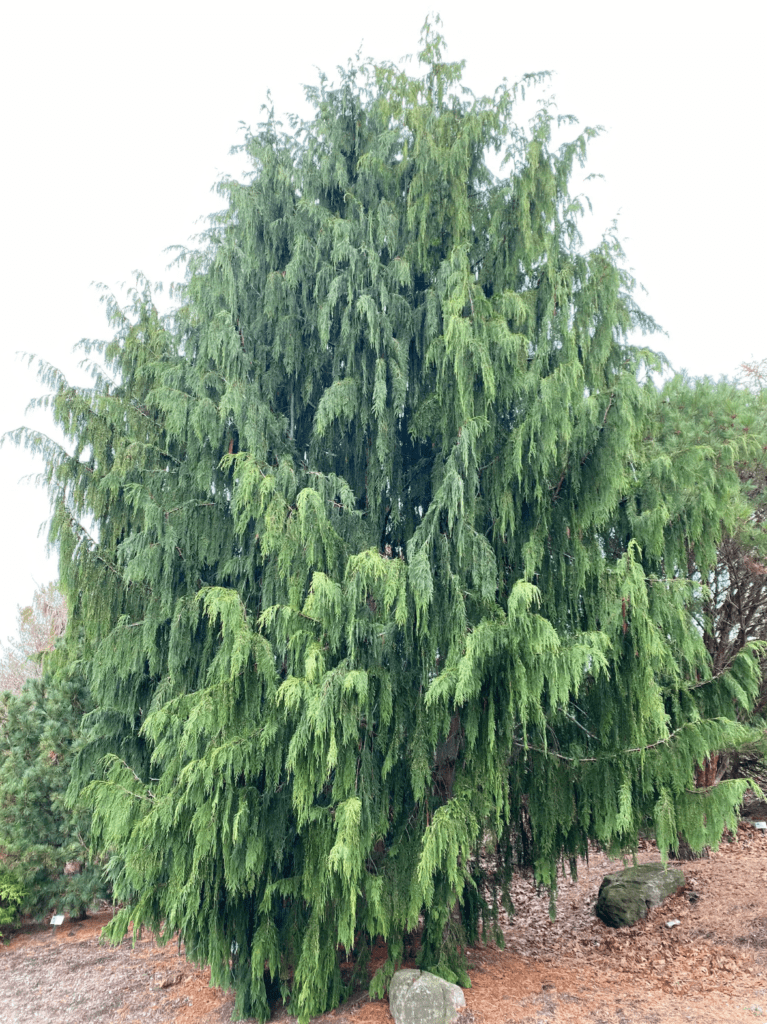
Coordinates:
(42, 838)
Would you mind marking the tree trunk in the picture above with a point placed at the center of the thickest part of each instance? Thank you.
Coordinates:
(706, 775)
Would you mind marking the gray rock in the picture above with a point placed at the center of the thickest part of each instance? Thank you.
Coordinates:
(626, 896)
(418, 997)
(753, 807)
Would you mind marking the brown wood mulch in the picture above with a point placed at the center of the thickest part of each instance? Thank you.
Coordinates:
(712, 967)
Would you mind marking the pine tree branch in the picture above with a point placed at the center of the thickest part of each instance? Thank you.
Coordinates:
(150, 794)
(180, 508)
(609, 755)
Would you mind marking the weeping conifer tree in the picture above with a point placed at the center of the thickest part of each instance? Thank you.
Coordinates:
(367, 590)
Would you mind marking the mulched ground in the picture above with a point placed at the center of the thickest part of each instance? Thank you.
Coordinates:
(710, 968)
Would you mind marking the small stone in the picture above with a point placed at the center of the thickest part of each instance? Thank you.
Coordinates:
(168, 980)
(672, 924)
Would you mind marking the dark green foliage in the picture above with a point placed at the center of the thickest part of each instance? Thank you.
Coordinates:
(389, 589)
(43, 839)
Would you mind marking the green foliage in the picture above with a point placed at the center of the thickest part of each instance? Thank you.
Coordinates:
(42, 838)
(707, 435)
(12, 896)
(390, 587)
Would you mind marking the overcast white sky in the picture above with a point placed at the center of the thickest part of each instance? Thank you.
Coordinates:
(117, 119)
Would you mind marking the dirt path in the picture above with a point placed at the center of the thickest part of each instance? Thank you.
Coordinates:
(711, 969)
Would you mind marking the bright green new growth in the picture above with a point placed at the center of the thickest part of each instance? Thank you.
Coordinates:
(12, 895)
(387, 590)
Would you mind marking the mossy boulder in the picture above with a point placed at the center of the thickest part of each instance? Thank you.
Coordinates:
(626, 896)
